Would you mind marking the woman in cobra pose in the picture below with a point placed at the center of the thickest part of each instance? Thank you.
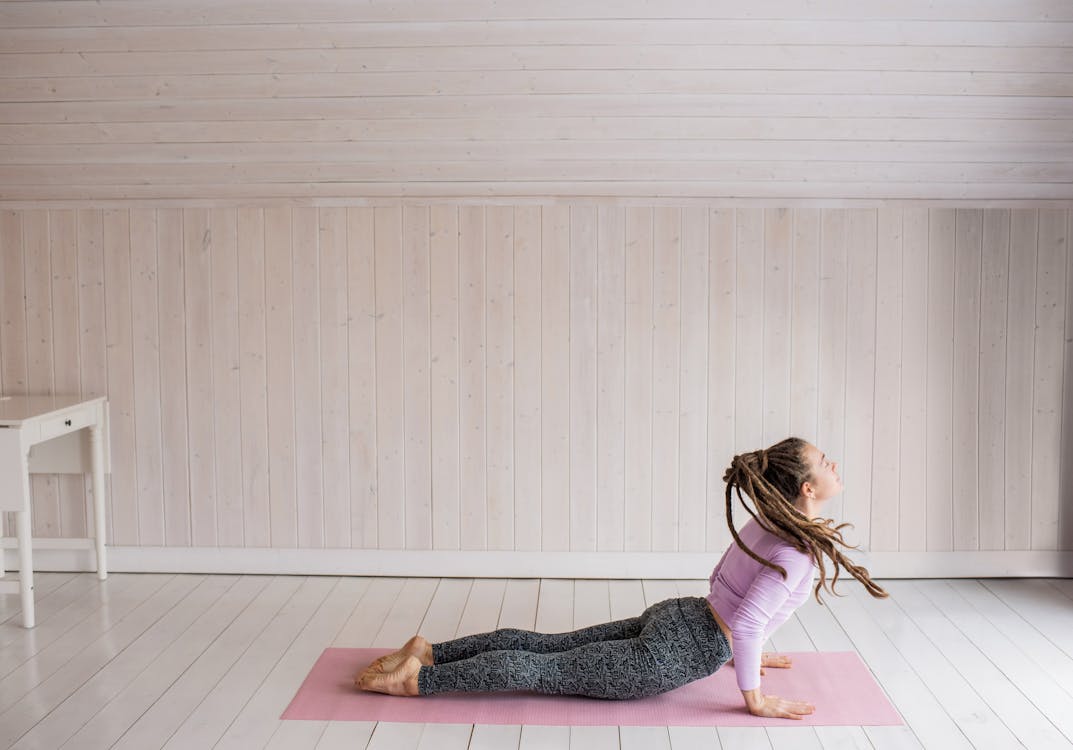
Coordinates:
(758, 583)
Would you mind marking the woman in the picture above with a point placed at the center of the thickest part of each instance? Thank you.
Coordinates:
(756, 586)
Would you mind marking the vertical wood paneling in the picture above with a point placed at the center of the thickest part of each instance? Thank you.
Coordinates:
(1065, 487)
(583, 378)
(666, 366)
(197, 294)
(913, 449)
(499, 231)
(555, 379)
(226, 385)
(335, 416)
(527, 378)
(461, 355)
(63, 231)
(966, 396)
(749, 333)
(279, 349)
(778, 254)
(1020, 364)
(1047, 376)
(610, 380)
(308, 453)
(174, 428)
(472, 378)
(856, 469)
(693, 379)
(148, 396)
(886, 440)
(362, 370)
(443, 343)
(390, 384)
(39, 354)
(638, 380)
(830, 433)
(805, 324)
(253, 412)
(91, 338)
(12, 304)
(940, 378)
(995, 264)
(722, 346)
(117, 308)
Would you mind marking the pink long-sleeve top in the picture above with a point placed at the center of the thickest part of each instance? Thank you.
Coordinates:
(753, 599)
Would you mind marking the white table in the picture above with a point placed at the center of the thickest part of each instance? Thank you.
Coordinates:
(48, 435)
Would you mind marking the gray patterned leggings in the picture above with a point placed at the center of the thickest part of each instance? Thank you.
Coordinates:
(670, 644)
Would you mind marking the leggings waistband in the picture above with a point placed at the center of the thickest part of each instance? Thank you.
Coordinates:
(705, 630)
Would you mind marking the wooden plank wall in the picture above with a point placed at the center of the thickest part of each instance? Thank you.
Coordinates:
(566, 377)
(113, 102)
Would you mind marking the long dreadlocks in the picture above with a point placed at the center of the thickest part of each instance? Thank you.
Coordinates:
(772, 479)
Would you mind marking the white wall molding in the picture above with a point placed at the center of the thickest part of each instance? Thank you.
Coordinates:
(485, 564)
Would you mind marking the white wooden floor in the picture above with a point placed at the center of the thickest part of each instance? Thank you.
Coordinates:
(193, 661)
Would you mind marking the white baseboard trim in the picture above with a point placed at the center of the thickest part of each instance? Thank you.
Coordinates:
(74, 556)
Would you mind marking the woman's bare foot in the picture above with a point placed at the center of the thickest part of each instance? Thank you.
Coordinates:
(401, 681)
(417, 647)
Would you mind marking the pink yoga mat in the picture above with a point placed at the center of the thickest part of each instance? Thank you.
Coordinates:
(837, 683)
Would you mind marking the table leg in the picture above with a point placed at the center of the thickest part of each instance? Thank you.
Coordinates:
(97, 445)
(24, 533)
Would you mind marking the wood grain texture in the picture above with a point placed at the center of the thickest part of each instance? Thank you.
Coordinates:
(137, 103)
(547, 378)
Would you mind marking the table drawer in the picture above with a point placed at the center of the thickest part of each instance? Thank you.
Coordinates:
(68, 421)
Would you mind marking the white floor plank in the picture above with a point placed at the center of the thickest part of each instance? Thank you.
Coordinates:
(645, 738)
(346, 735)
(793, 738)
(37, 703)
(446, 737)
(1030, 640)
(520, 604)
(52, 591)
(292, 734)
(594, 738)
(495, 737)
(944, 659)
(368, 616)
(918, 704)
(440, 622)
(179, 701)
(394, 736)
(659, 590)
(406, 614)
(744, 738)
(139, 694)
(91, 614)
(204, 661)
(144, 652)
(892, 738)
(1005, 676)
(253, 727)
(694, 738)
(485, 602)
(1044, 604)
(208, 722)
(627, 599)
(535, 737)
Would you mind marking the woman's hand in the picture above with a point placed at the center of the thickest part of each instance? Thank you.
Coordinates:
(774, 707)
(775, 661)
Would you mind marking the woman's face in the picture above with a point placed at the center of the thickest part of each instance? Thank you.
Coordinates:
(825, 482)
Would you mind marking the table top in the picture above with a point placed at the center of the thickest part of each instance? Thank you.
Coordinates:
(14, 410)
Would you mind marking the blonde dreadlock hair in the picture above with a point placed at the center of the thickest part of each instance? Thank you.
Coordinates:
(772, 479)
